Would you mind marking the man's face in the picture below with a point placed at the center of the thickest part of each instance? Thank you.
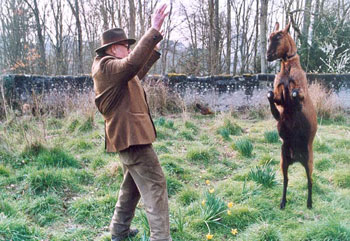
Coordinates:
(120, 50)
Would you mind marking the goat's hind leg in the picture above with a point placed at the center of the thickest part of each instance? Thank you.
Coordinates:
(285, 162)
(308, 164)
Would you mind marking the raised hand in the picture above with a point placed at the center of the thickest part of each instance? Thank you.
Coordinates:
(159, 16)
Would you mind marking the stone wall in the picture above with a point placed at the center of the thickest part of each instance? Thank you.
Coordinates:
(20, 87)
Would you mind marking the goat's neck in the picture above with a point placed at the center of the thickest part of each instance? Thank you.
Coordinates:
(288, 64)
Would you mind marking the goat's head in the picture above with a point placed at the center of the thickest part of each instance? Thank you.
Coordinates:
(281, 44)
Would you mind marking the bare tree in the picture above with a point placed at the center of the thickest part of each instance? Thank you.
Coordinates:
(228, 37)
(76, 14)
(40, 34)
(263, 34)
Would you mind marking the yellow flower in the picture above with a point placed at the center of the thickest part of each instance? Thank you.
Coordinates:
(230, 204)
(229, 212)
(209, 236)
(203, 202)
(234, 231)
(207, 182)
(211, 190)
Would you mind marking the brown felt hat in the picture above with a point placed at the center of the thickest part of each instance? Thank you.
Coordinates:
(113, 36)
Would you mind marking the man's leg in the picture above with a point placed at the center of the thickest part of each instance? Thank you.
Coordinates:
(150, 180)
(125, 208)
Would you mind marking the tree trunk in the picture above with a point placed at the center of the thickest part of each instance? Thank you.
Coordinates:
(132, 17)
(217, 35)
(211, 37)
(75, 11)
(263, 35)
(228, 41)
(40, 35)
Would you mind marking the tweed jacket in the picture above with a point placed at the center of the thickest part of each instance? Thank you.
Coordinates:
(120, 97)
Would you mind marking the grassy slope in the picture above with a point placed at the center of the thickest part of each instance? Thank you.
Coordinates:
(66, 188)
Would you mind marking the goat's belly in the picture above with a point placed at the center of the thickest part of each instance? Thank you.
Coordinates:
(295, 135)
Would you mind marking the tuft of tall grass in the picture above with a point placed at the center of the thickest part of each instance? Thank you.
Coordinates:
(244, 146)
(87, 125)
(323, 164)
(228, 129)
(17, 229)
(190, 125)
(271, 136)
(342, 178)
(263, 175)
(161, 99)
(179, 220)
(187, 196)
(328, 229)
(45, 210)
(201, 155)
(4, 171)
(262, 231)
(56, 158)
(326, 102)
(95, 212)
(173, 185)
(213, 209)
(6, 208)
(241, 216)
(50, 180)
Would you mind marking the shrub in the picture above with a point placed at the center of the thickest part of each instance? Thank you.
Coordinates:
(271, 136)
(263, 175)
(244, 147)
(326, 102)
(161, 99)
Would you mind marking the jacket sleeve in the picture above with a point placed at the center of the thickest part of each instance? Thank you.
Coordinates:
(123, 70)
(154, 57)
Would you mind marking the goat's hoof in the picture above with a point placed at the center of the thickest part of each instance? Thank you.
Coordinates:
(283, 204)
(295, 93)
(309, 205)
(270, 95)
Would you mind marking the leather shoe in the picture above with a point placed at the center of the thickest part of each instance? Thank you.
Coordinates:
(131, 233)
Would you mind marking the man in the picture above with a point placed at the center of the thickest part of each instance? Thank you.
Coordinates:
(129, 129)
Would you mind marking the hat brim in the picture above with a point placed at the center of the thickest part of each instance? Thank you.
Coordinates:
(103, 47)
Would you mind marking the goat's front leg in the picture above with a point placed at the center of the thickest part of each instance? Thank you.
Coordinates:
(297, 97)
(274, 110)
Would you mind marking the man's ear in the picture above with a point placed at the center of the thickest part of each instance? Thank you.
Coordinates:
(277, 27)
(286, 29)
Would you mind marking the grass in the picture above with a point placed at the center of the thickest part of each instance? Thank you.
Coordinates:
(59, 184)
(244, 147)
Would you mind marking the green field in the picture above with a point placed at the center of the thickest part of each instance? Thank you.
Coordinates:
(57, 183)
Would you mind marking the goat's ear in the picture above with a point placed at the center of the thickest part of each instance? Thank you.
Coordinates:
(286, 29)
(277, 27)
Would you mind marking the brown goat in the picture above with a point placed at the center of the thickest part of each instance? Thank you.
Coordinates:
(292, 107)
